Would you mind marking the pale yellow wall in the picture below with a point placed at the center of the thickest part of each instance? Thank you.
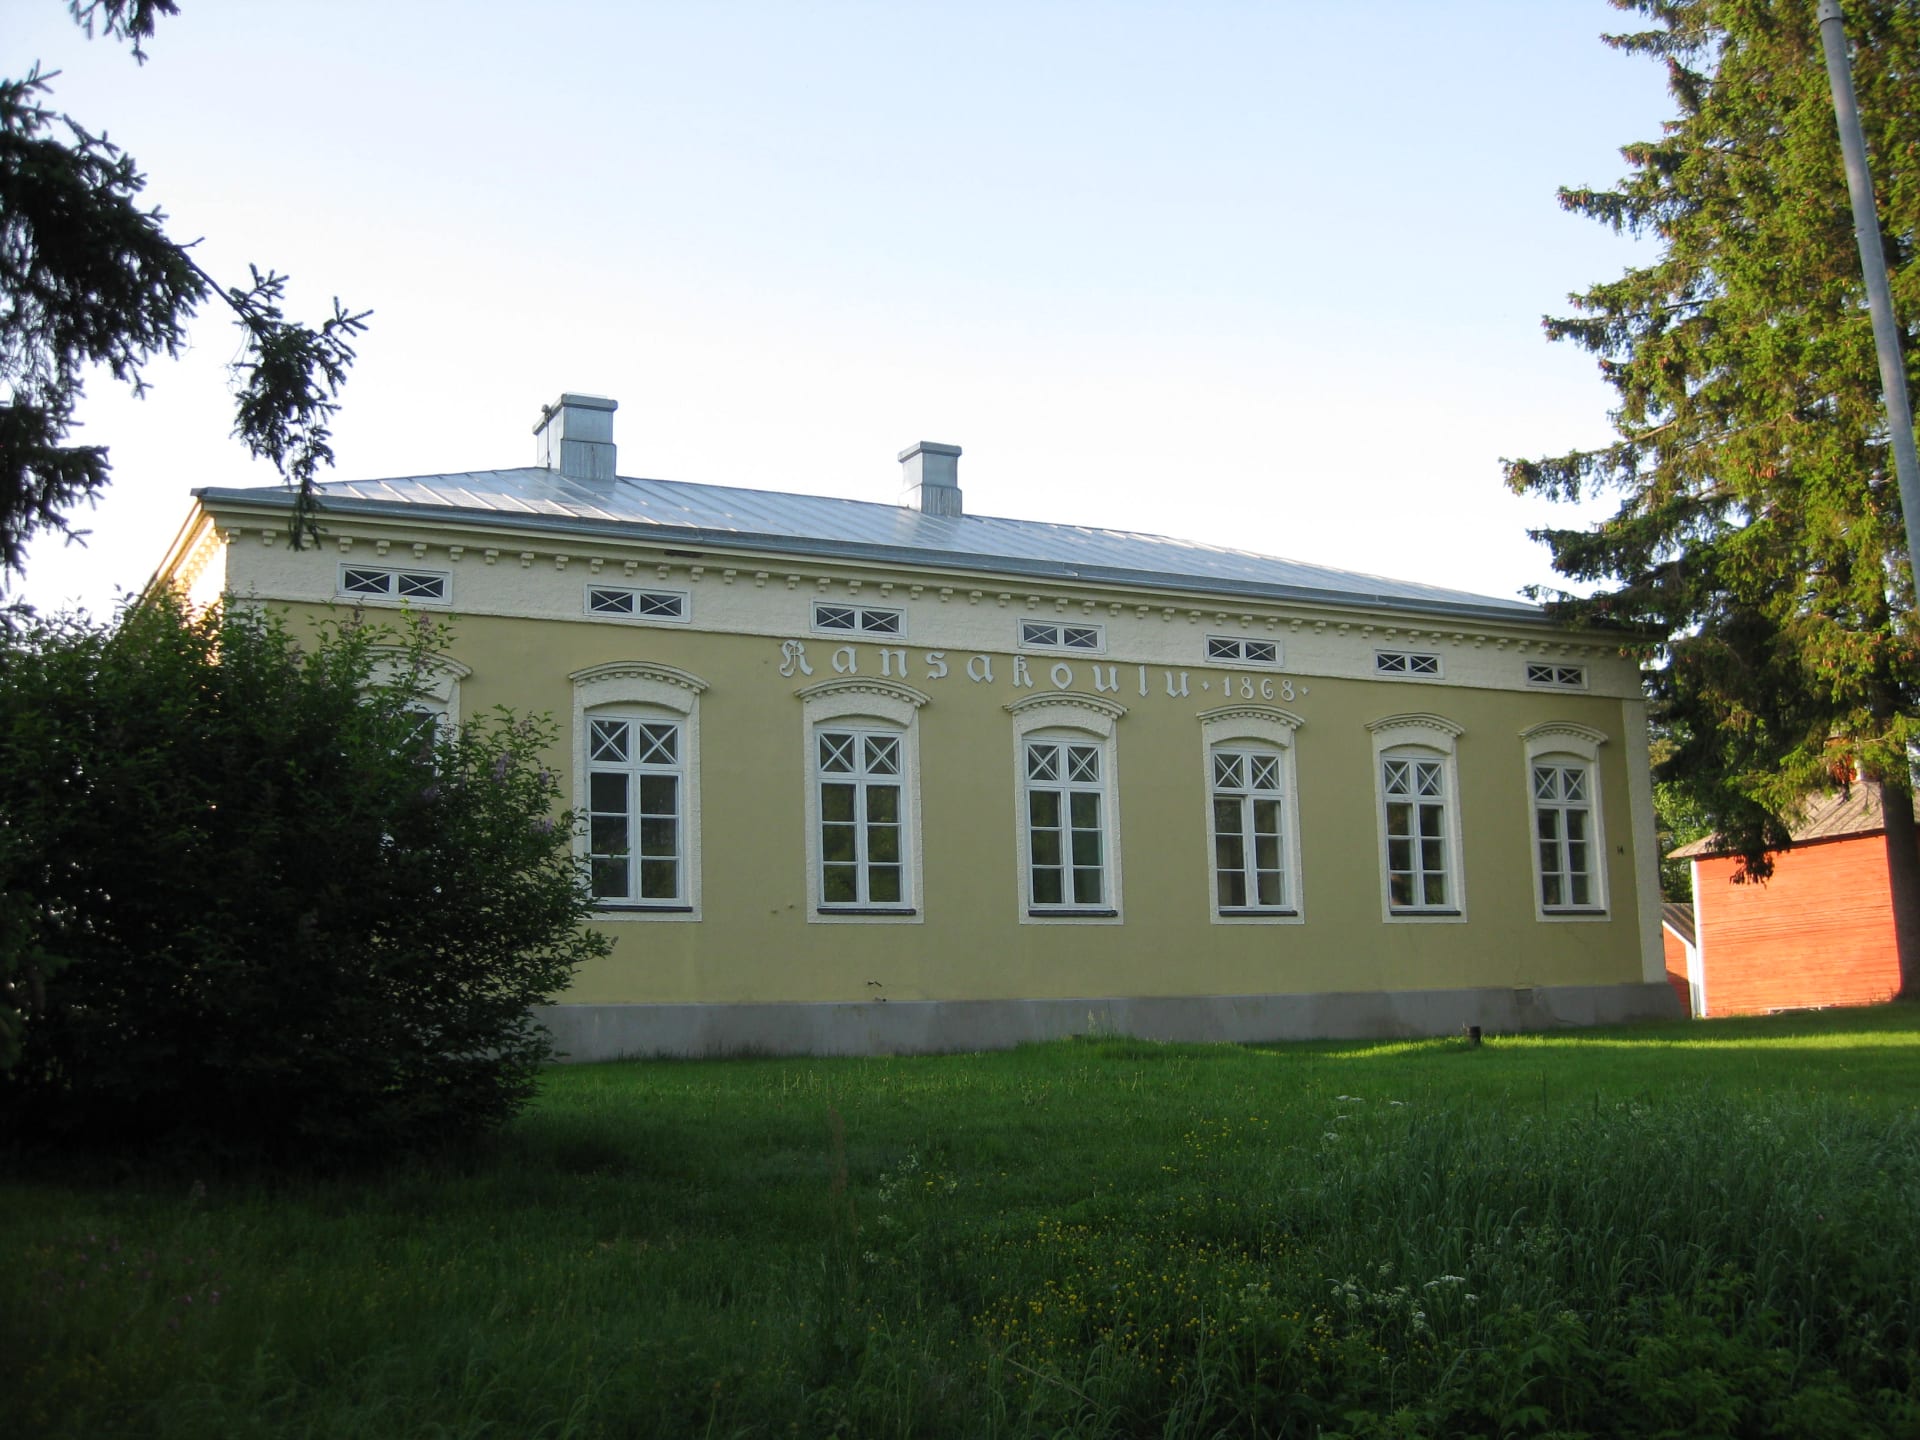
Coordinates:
(754, 941)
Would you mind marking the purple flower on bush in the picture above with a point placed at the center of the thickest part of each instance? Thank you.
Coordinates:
(500, 768)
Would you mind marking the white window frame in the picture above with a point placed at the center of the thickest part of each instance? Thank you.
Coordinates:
(1384, 667)
(1242, 658)
(1568, 744)
(1068, 717)
(433, 687)
(391, 595)
(1562, 676)
(1058, 645)
(1255, 729)
(1432, 738)
(637, 592)
(859, 630)
(644, 691)
(870, 705)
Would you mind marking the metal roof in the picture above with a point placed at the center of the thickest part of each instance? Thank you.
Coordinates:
(693, 515)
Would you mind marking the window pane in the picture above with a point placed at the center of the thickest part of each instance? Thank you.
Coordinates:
(609, 879)
(1033, 633)
(836, 802)
(659, 880)
(1436, 889)
(1080, 637)
(659, 837)
(1086, 886)
(837, 843)
(880, 622)
(883, 804)
(1582, 890)
(1083, 764)
(1263, 772)
(833, 617)
(610, 602)
(1262, 651)
(668, 607)
(1223, 649)
(1233, 888)
(1045, 845)
(1084, 806)
(1229, 852)
(837, 884)
(607, 834)
(1399, 819)
(658, 794)
(1226, 770)
(883, 756)
(659, 744)
(1550, 893)
(1043, 762)
(836, 752)
(884, 885)
(365, 582)
(1399, 855)
(1087, 846)
(883, 844)
(607, 793)
(1046, 885)
(1043, 808)
(607, 740)
(1266, 852)
(1271, 893)
(423, 587)
(1400, 889)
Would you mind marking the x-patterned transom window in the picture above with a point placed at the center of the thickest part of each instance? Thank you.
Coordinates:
(1249, 848)
(634, 790)
(1415, 792)
(862, 829)
(1563, 830)
(1066, 828)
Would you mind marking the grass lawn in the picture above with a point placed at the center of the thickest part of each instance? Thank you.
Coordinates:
(1699, 1229)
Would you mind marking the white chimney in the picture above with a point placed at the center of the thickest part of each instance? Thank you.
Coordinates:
(932, 478)
(576, 436)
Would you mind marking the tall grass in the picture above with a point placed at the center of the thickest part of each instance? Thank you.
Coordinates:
(1711, 1229)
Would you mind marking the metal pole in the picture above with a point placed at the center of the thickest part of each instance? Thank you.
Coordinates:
(1866, 230)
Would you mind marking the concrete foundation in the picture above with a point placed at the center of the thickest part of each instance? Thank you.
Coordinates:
(907, 1027)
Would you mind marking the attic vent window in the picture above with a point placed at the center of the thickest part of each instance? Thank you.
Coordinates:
(617, 602)
(1243, 649)
(1050, 635)
(859, 619)
(1559, 677)
(380, 583)
(1405, 662)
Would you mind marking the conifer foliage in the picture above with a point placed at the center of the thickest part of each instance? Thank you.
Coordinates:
(1757, 550)
(90, 280)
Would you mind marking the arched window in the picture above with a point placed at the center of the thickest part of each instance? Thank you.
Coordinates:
(1569, 853)
(863, 799)
(636, 740)
(1417, 786)
(1252, 814)
(1069, 806)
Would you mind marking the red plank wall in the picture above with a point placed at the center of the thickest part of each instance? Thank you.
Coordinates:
(1820, 932)
(1676, 956)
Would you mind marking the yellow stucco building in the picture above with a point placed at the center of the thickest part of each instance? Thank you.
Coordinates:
(863, 777)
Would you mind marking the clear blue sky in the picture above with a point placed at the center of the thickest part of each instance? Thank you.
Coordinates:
(1267, 275)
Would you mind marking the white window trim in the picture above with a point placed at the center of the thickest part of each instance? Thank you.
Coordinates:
(1068, 714)
(683, 618)
(434, 687)
(1561, 685)
(1279, 652)
(1022, 643)
(639, 687)
(1567, 740)
(892, 706)
(361, 597)
(1439, 671)
(1436, 736)
(1260, 725)
(858, 633)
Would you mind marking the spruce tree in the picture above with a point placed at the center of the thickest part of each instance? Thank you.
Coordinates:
(1757, 554)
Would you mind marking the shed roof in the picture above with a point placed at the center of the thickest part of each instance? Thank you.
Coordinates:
(677, 512)
(1854, 811)
(1678, 918)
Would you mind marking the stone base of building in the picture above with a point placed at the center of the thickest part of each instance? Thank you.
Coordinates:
(907, 1027)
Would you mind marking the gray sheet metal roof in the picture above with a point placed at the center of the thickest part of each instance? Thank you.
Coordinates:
(716, 515)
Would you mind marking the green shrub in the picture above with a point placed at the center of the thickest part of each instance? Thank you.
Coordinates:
(248, 897)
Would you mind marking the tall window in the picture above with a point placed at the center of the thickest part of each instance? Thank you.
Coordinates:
(1417, 839)
(1069, 825)
(1563, 828)
(1066, 825)
(1249, 831)
(863, 801)
(862, 844)
(637, 733)
(1417, 788)
(633, 816)
(1569, 860)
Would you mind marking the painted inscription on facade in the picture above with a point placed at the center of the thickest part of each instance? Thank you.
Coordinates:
(1021, 672)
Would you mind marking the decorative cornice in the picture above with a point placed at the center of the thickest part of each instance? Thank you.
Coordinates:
(1416, 721)
(1270, 713)
(858, 685)
(434, 661)
(638, 670)
(1067, 699)
(1564, 729)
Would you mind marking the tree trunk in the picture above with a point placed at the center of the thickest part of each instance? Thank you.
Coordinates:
(1903, 877)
